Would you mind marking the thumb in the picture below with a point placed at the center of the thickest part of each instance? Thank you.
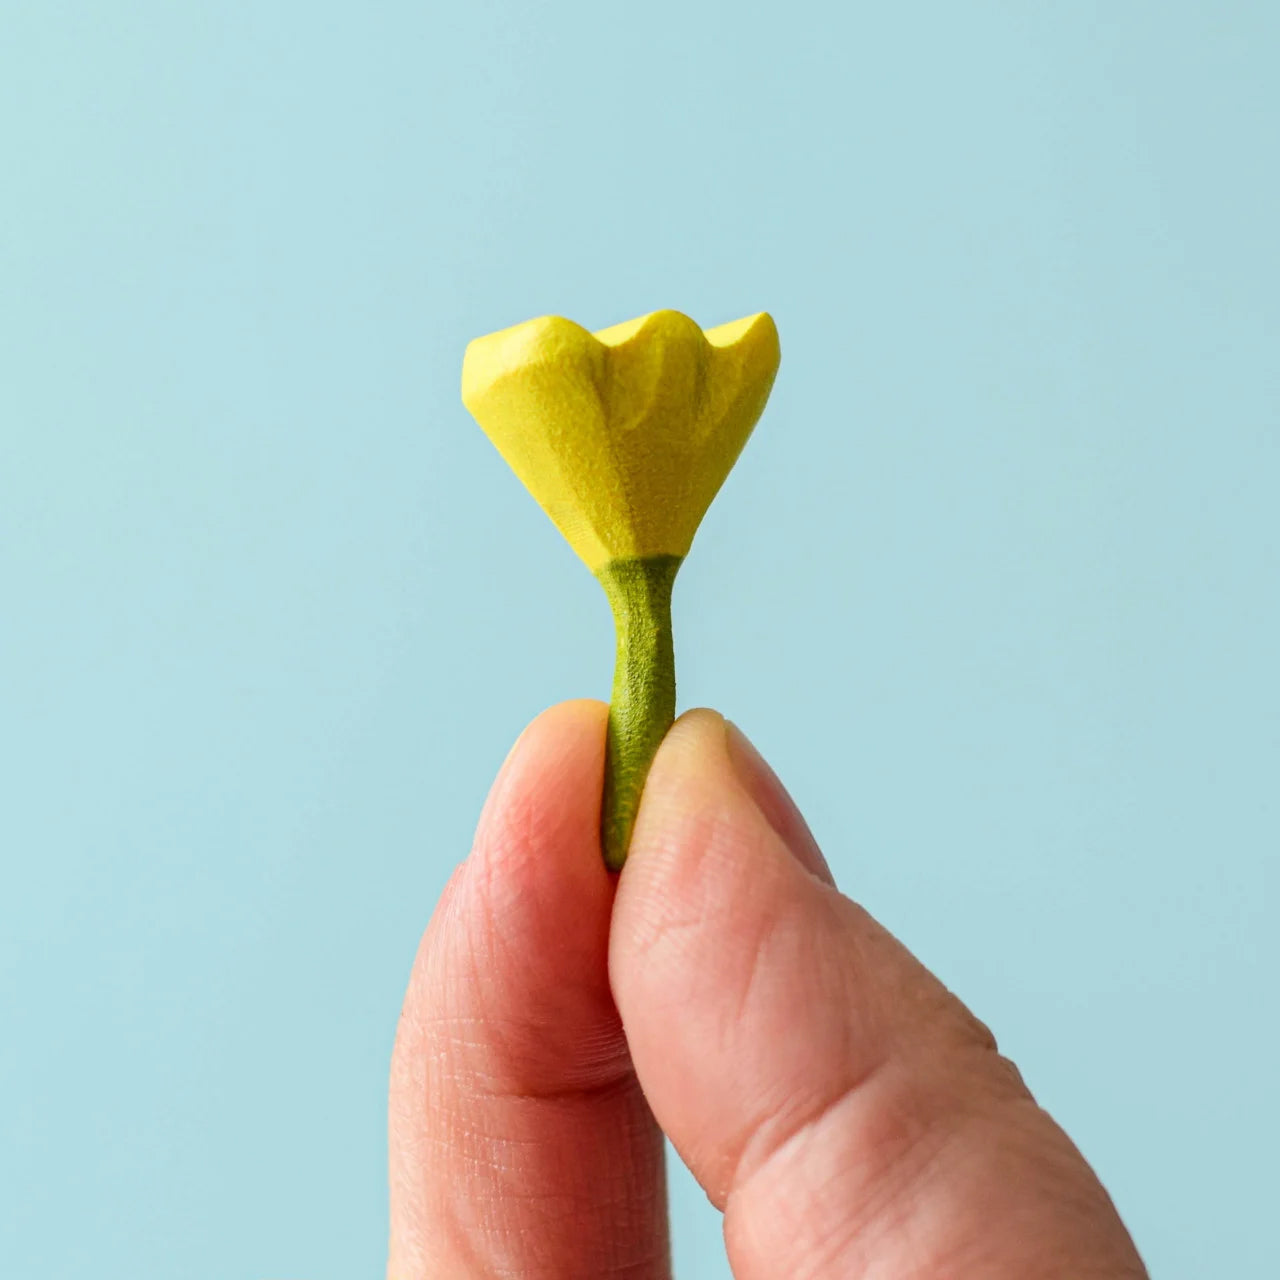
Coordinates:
(846, 1113)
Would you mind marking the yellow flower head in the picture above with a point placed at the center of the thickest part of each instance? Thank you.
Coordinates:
(624, 436)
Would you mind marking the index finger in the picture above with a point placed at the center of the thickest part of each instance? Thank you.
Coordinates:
(521, 1144)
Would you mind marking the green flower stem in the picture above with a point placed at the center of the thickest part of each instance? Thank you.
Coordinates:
(644, 689)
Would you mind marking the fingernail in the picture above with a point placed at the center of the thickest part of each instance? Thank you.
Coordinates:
(775, 803)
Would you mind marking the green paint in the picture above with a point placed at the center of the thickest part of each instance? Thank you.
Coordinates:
(644, 689)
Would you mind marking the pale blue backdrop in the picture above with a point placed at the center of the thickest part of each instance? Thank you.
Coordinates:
(995, 584)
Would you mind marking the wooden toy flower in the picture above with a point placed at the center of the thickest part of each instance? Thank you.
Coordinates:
(624, 437)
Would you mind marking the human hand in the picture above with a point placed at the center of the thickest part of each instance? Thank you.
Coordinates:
(847, 1114)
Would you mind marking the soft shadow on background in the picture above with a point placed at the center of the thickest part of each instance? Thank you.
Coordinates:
(994, 585)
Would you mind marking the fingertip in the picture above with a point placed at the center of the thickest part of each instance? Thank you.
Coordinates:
(775, 803)
(547, 790)
(707, 763)
(696, 736)
(687, 773)
(711, 806)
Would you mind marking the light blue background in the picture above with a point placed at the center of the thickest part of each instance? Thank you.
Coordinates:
(994, 585)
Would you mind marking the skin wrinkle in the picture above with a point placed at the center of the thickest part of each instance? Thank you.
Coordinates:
(676, 918)
(739, 998)
(501, 1070)
(950, 1236)
(811, 1220)
(491, 1088)
(891, 1192)
(503, 1157)
(772, 1127)
(902, 1143)
(804, 1125)
(519, 1057)
(902, 1139)
(752, 1164)
(707, 846)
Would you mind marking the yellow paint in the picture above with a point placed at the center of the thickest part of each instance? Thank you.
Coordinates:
(624, 436)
